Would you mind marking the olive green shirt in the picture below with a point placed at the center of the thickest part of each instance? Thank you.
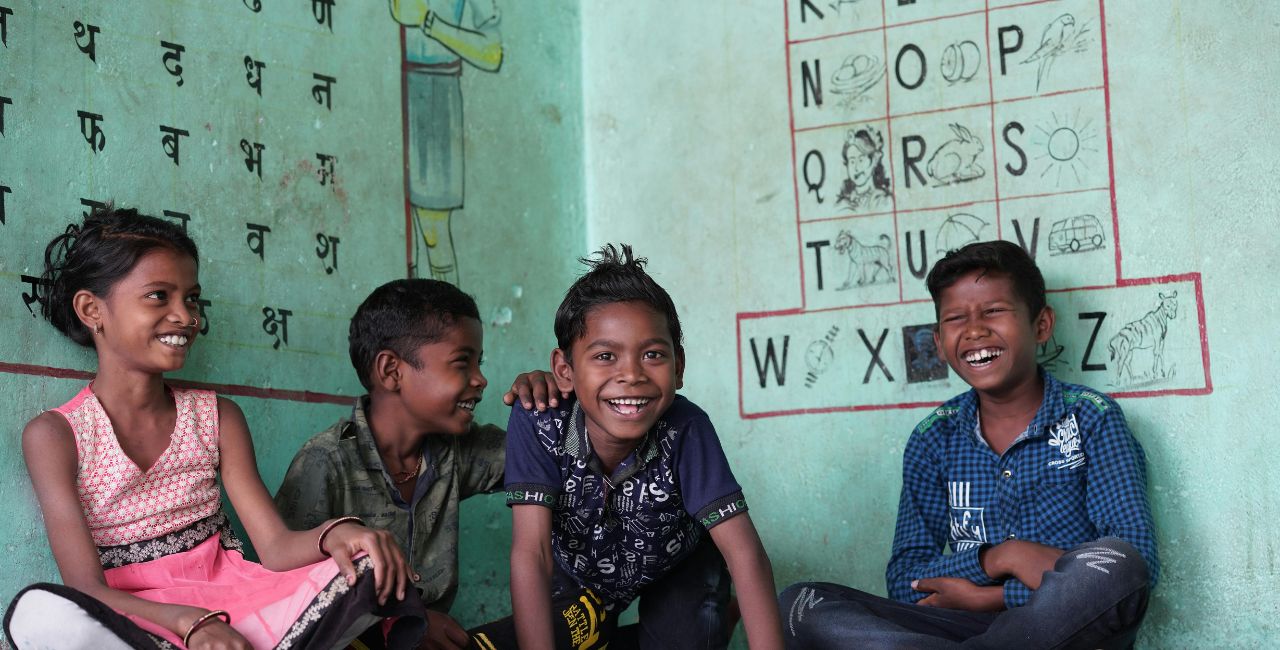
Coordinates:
(339, 472)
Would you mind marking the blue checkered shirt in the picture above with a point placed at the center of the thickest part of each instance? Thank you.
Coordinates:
(1075, 475)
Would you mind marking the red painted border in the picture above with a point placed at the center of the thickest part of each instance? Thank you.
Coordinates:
(1121, 281)
(1194, 278)
(795, 171)
(404, 149)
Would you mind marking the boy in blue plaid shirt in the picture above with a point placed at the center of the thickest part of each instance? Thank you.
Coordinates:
(1037, 487)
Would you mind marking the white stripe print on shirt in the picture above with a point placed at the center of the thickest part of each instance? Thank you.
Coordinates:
(967, 528)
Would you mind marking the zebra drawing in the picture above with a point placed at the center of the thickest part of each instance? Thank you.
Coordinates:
(1146, 332)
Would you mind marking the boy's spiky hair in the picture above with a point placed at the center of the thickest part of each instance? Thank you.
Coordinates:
(615, 276)
(1001, 257)
(402, 316)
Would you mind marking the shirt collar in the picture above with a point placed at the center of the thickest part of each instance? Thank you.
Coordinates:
(1051, 410)
(578, 445)
(358, 428)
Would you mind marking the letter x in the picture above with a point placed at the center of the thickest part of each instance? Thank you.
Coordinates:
(875, 355)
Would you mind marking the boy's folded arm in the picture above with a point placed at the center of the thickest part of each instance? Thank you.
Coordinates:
(1117, 486)
(1016, 593)
(739, 543)
(919, 535)
(917, 555)
(531, 575)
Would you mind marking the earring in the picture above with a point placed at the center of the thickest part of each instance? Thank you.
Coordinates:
(97, 328)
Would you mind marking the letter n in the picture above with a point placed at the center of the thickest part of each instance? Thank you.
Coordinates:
(811, 80)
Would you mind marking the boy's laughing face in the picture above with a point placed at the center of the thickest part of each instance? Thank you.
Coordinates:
(625, 371)
(987, 335)
(442, 391)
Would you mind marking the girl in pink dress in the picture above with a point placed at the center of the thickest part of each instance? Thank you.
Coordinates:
(126, 474)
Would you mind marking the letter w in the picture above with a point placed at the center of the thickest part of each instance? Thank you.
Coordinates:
(771, 359)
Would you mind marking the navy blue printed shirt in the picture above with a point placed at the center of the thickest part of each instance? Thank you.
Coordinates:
(1075, 475)
(617, 535)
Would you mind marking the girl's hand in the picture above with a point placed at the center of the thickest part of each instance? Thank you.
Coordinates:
(216, 635)
(390, 570)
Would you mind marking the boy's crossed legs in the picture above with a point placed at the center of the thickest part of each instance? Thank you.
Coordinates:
(1095, 597)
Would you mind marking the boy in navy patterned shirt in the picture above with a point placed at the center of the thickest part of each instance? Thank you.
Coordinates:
(623, 491)
(1037, 487)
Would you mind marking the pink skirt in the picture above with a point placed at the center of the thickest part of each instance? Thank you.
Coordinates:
(312, 606)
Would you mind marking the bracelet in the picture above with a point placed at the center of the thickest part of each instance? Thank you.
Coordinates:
(200, 622)
(333, 524)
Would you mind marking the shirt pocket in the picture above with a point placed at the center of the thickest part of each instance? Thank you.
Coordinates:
(1061, 507)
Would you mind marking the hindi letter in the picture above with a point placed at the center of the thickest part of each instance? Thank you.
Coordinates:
(89, 46)
(172, 59)
(253, 156)
(171, 140)
(91, 132)
(328, 246)
(256, 239)
(322, 91)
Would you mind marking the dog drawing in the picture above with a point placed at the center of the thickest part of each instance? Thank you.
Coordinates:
(870, 261)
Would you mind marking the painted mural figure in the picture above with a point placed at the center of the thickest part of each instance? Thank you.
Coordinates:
(956, 161)
(1148, 332)
(855, 78)
(871, 262)
(866, 186)
(1059, 37)
(440, 35)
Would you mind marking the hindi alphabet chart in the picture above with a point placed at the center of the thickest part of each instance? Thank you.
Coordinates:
(270, 131)
(921, 126)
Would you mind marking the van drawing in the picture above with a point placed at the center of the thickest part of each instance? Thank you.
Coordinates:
(1075, 234)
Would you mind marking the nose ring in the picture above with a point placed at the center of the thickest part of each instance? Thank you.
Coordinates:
(195, 321)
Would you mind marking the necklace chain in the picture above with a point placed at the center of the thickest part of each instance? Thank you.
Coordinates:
(407, 474)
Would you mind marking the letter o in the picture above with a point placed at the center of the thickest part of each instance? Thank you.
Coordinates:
(897, 66)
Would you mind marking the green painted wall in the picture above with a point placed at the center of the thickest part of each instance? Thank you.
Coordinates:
(669, 126)
(689, 157)
(521, 138)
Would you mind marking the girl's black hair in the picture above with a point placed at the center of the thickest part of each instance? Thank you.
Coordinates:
(94, 255)
(616, 276)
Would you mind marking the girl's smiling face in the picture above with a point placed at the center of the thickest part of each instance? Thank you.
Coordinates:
(148, 318)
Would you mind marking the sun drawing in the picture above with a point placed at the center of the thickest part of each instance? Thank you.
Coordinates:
(1061, 144)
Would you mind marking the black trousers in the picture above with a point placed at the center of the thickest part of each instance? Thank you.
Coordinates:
(686, 608)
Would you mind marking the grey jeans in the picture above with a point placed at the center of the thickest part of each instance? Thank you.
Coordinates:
(1095, 597)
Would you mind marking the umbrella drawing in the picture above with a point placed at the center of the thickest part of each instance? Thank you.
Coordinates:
(958, 230)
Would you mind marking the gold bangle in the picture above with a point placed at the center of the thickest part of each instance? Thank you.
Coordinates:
(333, 524)
(200, 622)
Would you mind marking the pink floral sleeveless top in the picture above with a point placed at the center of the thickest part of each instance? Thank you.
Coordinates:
(123, 504)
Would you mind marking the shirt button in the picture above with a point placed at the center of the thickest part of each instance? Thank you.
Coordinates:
(1012, 536)
(1006, 474)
